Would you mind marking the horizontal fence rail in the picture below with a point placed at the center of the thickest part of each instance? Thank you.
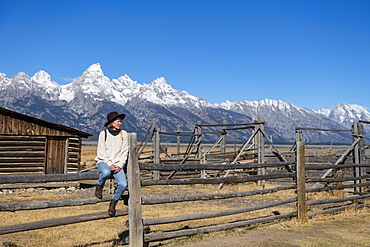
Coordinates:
(58, 222)
(334, 166)
(42, 178)
(188, 232)
(174, 199)
(216, 180)
(51, 204)
(189, 166)
(166, 220)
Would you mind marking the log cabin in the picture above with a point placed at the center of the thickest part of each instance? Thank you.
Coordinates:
(29, 145)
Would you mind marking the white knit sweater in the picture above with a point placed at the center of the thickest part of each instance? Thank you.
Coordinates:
(112, 150)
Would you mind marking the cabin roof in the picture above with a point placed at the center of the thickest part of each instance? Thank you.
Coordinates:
(44, 123)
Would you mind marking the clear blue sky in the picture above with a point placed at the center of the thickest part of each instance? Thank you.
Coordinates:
(313, 53)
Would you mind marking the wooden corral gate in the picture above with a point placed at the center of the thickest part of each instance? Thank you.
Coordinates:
(357, 152)
(30, 145)
(196, 151)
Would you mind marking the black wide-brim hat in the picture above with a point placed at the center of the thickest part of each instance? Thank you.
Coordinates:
(113, 116)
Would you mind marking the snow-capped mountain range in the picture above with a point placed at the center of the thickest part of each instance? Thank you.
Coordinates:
(84, 104)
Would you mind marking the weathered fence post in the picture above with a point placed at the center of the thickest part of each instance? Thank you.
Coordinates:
(136, 233)
(223, 142)
(298, 136)
(358, 132)
(301, 183)
(260, 146)
(178, 140)
(198, 133)
(156, 149)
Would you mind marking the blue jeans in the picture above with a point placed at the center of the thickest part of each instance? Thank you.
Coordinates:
(120, 177)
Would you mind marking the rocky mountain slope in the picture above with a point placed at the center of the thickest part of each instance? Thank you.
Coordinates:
(84, 104)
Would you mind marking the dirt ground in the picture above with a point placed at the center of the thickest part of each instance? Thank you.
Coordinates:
(345, 229)
(338, 231)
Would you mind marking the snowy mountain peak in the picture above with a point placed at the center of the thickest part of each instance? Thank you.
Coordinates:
(21, 80)
(125, 80)
(352, 107)
(345, 113)
(91, 83)
(41, 76)
(161, 83)
(95, 68)
(21, 75)
(258, 105)
(93, 80)
(93, 74)
(126, 77)
(125, 85)
(3, 77)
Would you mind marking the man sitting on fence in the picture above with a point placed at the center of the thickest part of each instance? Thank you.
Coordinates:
(111, 158)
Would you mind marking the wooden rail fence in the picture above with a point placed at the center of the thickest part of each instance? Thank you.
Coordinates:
(296, 179)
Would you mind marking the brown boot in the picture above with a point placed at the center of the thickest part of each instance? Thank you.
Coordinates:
(99, 191)
(112, 208)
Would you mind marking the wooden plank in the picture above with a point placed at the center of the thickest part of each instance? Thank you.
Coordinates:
(48, 177)
(330, 160)
(28, 128)
(37, 129)
(206, 215)
(338, 187)
(39, 185)
(12, 170)
(331, 180)
(7, 125)
(189, 167)
(50, 204)
(58, 222)
(21, 140)
(334, 166)
(217, 180)
(336, 200)
(21, 159)
(73, 149)
(64, 163)
(20, 164)
(22, 154)
(301, 186)
(2, 123)
(181, 233)
(21, 148)
(302, 128)
(133, 174)
(151, 201)
(230, 124)
(339, 209)
(16, 126)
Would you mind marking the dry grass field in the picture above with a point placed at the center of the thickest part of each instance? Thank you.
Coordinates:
(109, 232)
